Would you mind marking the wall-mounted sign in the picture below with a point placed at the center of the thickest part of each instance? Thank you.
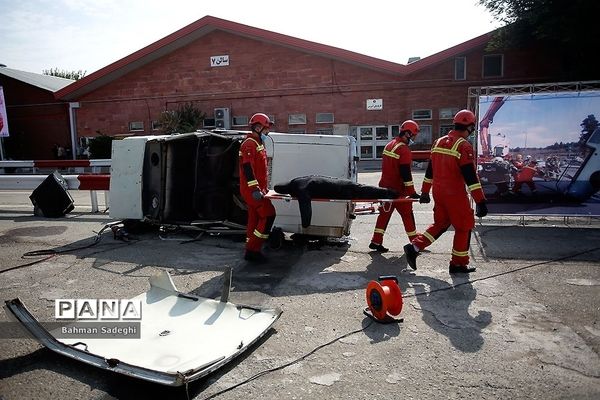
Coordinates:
(219, 61)
(374, 104)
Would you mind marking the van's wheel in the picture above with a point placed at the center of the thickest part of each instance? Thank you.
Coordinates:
(276, 238)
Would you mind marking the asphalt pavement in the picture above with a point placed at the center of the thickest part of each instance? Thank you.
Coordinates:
(526, 325)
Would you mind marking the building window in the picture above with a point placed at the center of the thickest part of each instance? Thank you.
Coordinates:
(448, 113)
(240, 120)
(424, 136)
(296, 119)
(324, 118)
(421, 114)
(208, 123)
(493, 66)
(324, 131)
(136, 126)
(444, 129)
(156, 125)
(460, 68)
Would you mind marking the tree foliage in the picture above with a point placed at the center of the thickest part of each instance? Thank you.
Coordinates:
(75, 75)
(187, 118)
(565, 27)
(588, 126)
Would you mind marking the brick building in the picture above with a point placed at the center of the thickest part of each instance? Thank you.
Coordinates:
(230, 71)
(36, 120)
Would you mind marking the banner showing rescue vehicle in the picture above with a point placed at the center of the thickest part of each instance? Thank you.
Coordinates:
(538, 153)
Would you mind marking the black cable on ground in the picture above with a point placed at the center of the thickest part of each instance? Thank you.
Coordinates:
(268, 371)
(53, 252)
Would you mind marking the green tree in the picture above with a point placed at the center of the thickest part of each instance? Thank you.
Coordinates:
(564, 27)
(75, 75)
(187, 118)
(589, 125)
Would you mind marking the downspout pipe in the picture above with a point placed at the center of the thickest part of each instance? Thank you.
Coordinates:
(73, 127)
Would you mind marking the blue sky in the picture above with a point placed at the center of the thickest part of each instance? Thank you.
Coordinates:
(542, 119)
(72, 35)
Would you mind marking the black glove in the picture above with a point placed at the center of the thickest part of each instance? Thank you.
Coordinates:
(481, 209)
(415, 196)
(257, 195)
(424, 198)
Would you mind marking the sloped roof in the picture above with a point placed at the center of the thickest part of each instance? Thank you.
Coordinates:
(46, 82)
(207, 24)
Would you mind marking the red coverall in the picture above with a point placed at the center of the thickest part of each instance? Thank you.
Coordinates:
(396, 175)
(525, 176)
(261, 213)
(452, 166)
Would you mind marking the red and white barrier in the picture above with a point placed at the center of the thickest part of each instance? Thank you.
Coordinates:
(91, 182)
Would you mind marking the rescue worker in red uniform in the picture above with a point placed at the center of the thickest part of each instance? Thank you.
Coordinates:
(253, 187)
(525, 176)
(452, 166)
(396, 175)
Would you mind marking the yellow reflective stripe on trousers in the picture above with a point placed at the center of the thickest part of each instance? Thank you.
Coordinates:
(409, 183)
(253, 183)
(429, 237)
(377, 230)
(460, 253)
(411, 233)
(427, 180)
(260, 235)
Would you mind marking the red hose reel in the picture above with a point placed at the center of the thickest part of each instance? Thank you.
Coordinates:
(384, 299)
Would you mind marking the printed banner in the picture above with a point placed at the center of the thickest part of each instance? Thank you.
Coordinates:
(538, 154)
(3, 118)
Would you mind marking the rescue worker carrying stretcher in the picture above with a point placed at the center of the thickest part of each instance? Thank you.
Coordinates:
(253, 187)
(452, 166)
(396, 174)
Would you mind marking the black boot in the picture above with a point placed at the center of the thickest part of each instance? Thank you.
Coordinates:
(461, 269)
(411, 255)
(255, 256)
(378, 247)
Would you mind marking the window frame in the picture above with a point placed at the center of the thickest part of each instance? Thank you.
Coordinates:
(235, 118)
(327, 121)
(483, 65)
(297, 119)
(422, 118)
(132, 129)
(464, 68)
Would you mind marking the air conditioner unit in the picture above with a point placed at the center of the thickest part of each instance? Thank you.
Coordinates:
(222, 118)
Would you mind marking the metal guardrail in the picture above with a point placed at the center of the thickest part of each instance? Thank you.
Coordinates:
(93, 181)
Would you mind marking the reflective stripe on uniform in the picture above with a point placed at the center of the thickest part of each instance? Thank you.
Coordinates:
(260, 235)
(427, 180)
(453, 151)
(409, 183)
(253, 183)
(429, 237)
(378, 230)
(460, 253)
(392, 153)
(411, 233)
(475, 186)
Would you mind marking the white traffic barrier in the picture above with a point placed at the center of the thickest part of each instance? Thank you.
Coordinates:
(56, 164)
(91, 182)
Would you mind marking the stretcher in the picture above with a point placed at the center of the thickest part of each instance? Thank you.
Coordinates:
(273, 195)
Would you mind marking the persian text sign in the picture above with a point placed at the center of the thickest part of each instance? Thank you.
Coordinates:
(219, 61)
(374, 104)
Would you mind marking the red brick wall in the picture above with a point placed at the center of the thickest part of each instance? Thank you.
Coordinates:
(274, 79)
(36, 121)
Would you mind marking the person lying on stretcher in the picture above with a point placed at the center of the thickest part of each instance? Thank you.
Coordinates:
(305, 188)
